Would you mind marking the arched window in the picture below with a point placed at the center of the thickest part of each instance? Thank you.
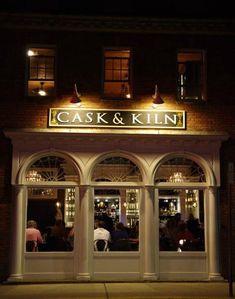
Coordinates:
(179, 169)
(116, 205)
(116, 169)
(51, 184)
(51, 169)
(181, 205)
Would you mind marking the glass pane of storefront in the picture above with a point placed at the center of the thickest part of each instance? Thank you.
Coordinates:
(181, 220)
(50, 219)
(116, 219)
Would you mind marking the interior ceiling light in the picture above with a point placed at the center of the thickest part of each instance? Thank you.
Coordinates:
(125, 91)
(41, 90)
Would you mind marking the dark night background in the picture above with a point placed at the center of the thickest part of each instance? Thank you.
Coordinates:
(146, 8)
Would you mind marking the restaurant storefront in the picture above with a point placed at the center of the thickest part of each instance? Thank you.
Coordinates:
(143, 179)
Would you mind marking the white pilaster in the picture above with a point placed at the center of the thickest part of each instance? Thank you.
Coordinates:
(213, 243)
(84, 234)
(149, 235)
(17, 233)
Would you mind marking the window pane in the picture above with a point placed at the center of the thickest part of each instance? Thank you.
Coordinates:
(116, 169)
(108, 75)
(181, 213)
(41, 67)
(53, 210)
(190, 75)
(108, 64)
(49, 74)
(51, 168)
(116, 64)
(125, 64)
(41, 73)
(33, 73)
(125, 75)
(116, 75)
(116, 218)
(179, 170)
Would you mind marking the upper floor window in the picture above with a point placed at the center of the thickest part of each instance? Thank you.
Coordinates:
(116, 81)
(191, 75)
(41, 71)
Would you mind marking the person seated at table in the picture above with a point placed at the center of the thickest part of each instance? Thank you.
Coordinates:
(184, 238)
(101, 234)
(33, 236)
(57, 239)
(134, 236)
(119, 238)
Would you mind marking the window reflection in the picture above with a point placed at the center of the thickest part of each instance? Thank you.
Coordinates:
(181, 215)
(116, 218)
(53, 210)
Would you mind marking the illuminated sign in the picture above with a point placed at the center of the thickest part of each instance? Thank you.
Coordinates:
(93, 118)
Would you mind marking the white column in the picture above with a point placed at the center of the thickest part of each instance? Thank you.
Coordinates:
(17, 234)
(149, 235)
(84, 231)
(213, 242)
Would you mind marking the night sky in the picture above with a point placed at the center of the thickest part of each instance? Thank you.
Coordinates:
(164, 8)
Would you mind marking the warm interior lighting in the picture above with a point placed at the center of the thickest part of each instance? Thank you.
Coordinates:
(33, 176)
(177, 177)
(30, 53)
(41, 90)
(157, 100)
(76, 96)
(125, 90)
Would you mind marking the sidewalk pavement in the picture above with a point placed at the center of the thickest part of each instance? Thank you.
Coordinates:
(116, 290)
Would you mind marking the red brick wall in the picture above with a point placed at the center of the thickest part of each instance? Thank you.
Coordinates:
(79, 60)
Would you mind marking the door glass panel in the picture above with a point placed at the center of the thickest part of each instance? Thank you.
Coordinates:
(116, 218)
(181, 217)
(52, 211)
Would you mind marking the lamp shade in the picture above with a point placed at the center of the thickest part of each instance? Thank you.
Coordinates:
(76, 96)
(157, 100)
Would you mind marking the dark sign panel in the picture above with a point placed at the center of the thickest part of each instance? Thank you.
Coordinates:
(92, 118)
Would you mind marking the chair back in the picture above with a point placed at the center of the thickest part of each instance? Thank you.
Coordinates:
(100, 245)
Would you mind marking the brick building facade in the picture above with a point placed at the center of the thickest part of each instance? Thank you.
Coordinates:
(160, 52)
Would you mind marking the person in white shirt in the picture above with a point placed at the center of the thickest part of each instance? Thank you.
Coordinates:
(100, 233)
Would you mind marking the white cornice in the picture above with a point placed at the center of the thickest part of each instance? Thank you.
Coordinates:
(20, 134)
(117, 24)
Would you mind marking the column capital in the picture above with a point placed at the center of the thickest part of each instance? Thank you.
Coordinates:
(213, 190)
(149, 188)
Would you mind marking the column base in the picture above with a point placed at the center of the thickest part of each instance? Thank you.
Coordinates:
(83, 277)
(215, 277)
(15, 278)
(150, 277)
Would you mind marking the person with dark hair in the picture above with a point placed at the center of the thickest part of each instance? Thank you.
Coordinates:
(119, 232)
(120, 240)
(184, 238)
(57, 239)
(107, 220)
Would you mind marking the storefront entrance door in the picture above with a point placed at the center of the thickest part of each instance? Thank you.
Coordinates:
(116, 234)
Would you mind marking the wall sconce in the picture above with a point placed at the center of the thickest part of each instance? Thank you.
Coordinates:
(157, 100)
(76, 97)
(41, 90)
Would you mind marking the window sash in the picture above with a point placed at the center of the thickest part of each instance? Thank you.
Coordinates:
(190, 81)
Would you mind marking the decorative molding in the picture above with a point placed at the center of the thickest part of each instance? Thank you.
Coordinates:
(117, 24)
